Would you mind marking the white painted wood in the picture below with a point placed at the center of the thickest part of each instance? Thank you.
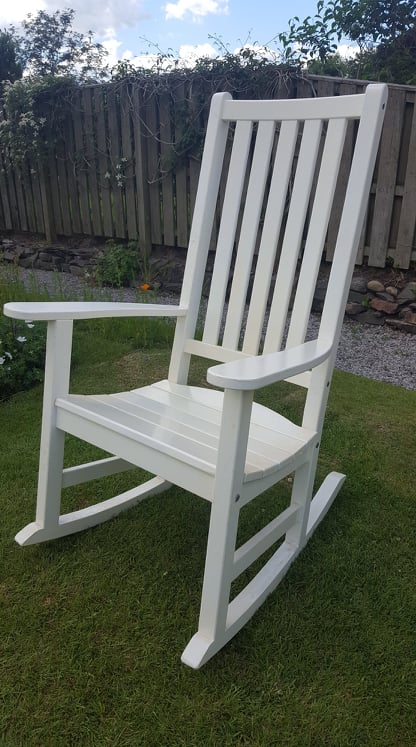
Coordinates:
(317, 231)
(57, 369)
(254, 373)
(270, 234)
(260, 542)
(93, 471)
(47, 311)
(86, 518)
(227, 231)
(300, 109)
(219, 444)
(248, 234)
(293, 234)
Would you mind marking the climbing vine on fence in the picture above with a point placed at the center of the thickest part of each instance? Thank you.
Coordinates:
(34, 110)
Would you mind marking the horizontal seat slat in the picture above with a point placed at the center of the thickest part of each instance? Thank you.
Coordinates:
(185, 422)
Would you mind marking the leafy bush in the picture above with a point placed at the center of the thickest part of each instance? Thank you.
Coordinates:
(118, 266)
(22, 355)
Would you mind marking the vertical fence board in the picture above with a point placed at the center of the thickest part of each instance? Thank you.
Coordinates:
(115, 156)
(46, 197)
(80, 166)
(91, 160)
(20, 198)
(12, 176)
(152, 147)
(386, 178)
(4, 197)
(63, 190)
(71, 176)
(141, 170)
(104, 166)
(407, 225)
(335, 217)
(166, 171)
(30, 207)
(128, 169)
(37, 196)
(54, 198)
(181, 176)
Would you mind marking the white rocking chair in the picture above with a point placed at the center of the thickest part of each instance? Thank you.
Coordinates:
(280, 179)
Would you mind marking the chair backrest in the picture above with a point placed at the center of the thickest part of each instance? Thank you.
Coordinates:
(269, 175)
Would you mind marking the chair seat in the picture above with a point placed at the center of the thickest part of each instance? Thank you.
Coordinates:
(183, 423)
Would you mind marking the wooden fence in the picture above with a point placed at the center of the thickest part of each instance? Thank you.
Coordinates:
(127, 164)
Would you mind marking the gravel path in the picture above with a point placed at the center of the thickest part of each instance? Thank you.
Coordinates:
(376, 352)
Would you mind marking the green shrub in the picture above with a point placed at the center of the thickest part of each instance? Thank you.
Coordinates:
(22, 355)
(118, 266)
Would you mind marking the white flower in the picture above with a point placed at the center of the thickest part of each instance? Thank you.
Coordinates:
(9, 355)
(21, 339)
(2, 360)
(29, 324)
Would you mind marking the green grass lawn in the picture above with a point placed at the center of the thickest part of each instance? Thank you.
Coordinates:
(93, 625)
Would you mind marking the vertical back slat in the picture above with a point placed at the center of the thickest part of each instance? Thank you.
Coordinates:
(199, 240)
(324, 195)
(293, 234)
(273, 218)
(249, 231)
(227, 231)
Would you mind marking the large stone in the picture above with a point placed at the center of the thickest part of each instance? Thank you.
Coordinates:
(402, 325)
(372, 317)
(358, 285)
(28, 262)
(353, 309)
(408, 293)
(385, 296)
(356, 296)
(376, 286)
(392, 290)
(408, 315)
(387, 307)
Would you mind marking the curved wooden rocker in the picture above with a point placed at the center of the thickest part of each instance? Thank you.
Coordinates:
(287, 162)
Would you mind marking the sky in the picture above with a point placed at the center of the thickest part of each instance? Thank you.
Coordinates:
(131, 28)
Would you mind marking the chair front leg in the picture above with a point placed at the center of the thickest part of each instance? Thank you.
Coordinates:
(57, 371)
(212, 635)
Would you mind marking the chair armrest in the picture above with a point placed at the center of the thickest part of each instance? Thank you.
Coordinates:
(61, 310)
(261, 370)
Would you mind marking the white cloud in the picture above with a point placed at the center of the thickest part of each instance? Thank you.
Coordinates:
(196, 8)
(111, 46)
(103, 17)
(189, 53)
(15, 12)
(187, 57)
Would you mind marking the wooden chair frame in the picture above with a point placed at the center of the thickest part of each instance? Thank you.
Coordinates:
(280, 179)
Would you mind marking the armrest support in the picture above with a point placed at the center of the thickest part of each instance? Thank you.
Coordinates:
(60, 310)
(261, 370)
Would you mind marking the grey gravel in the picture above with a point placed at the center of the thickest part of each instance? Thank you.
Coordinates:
(376, 352)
